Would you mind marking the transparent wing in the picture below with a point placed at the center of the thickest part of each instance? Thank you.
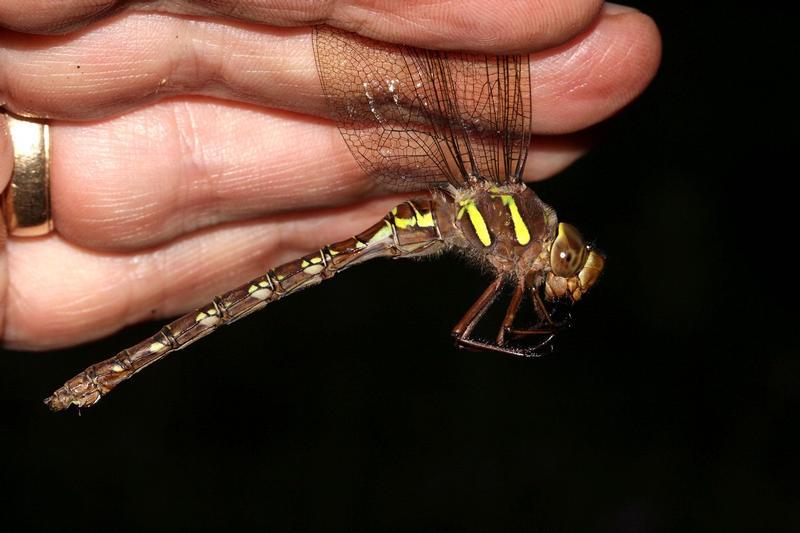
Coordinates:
(416, 118)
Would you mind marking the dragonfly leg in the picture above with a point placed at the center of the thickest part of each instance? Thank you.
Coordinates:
(546, 325)
(463, 330)
(511, 314)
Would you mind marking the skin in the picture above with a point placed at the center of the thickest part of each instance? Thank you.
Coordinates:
(181, 132)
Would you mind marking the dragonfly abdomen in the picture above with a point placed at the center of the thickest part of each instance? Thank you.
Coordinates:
(410, 229)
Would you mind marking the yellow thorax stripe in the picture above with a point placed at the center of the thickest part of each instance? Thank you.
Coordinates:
(521, 231)
(477, 221)
(520, 228)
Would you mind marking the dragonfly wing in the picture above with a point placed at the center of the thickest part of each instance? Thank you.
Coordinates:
(416, 118)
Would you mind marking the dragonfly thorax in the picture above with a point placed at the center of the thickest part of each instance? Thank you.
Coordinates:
(508, 225)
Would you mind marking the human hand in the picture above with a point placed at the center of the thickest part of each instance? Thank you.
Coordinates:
(190, 149)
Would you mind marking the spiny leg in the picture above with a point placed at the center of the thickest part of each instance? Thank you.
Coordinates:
(541, 309)
(546, 323)
(545, 326)
(463, 330)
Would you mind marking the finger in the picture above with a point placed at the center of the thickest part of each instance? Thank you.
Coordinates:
(137, 59)
(596, 74)
(60, 294)
(150, 176)
(52, 17)
(551, 154)
(493, 26)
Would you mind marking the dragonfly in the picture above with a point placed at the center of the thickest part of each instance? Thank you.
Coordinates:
(451, 129)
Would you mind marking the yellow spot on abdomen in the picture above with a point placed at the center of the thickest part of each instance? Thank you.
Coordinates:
(403, 223)
(384, 232)
(156, 347)
(262, 291)
(423, 221)
(207, 319)
(314, 269)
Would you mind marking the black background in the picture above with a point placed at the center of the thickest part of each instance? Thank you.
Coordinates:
(346, 407)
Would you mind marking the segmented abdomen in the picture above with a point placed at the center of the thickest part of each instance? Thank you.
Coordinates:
(410, 229)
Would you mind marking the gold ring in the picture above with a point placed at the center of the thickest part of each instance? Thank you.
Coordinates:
(26, 200)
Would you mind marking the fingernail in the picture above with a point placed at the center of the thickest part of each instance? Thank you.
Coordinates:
(617, 9)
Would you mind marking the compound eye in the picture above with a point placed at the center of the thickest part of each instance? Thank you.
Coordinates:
(568, 253)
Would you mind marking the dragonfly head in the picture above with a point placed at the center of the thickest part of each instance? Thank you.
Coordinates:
(574, 265)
